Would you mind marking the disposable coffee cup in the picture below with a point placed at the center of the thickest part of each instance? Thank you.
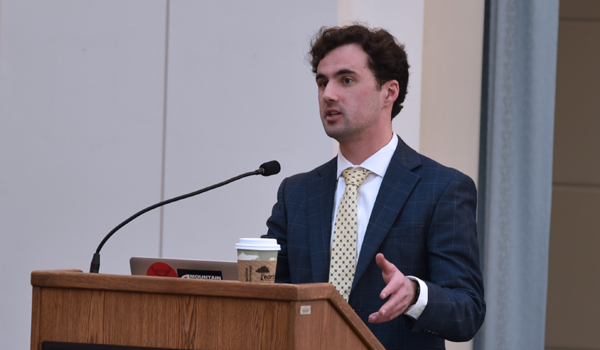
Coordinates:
(257, 259)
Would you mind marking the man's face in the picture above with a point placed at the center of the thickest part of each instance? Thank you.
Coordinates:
(350, 101)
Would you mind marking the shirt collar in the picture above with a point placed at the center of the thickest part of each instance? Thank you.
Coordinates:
(377, 163)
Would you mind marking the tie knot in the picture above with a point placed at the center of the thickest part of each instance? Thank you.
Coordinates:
(355, 176)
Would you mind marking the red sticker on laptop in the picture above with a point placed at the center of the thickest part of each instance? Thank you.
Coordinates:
(161, 269)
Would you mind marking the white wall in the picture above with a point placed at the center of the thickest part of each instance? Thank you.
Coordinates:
(81, 86)
(240, 92)
(82, 100)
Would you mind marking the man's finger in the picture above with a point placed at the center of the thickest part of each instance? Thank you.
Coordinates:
(383, 316)
(385, 266)
(393, 308)
(392, 286)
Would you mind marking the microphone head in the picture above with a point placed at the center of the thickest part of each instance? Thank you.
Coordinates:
(269, 168)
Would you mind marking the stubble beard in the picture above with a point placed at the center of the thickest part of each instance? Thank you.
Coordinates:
(339, 130)
(348, 128)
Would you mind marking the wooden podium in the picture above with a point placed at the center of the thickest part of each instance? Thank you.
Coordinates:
(156, 312)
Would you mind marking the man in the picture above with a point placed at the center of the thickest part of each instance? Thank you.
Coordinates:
(408, 260)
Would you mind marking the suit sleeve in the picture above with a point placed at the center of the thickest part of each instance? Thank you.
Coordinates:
(455, 308)
(277, 229)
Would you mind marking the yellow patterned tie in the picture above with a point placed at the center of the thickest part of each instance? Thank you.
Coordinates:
(343, 247)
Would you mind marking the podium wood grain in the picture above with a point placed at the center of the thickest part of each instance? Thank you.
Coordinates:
(72, 306)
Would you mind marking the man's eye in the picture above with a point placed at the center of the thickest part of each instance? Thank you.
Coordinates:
(348, 80)
(322, 84)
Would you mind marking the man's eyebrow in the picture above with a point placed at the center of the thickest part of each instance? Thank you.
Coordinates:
(337, 74)
(343, 72)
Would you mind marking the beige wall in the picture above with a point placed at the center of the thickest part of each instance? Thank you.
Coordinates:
(451, 87)
(451, 83)
(573, 311)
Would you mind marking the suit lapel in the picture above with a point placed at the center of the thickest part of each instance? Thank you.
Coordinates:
(397, 185)
(320, 199)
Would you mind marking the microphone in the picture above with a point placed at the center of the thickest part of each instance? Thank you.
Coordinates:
(265, 169)
(269, 168)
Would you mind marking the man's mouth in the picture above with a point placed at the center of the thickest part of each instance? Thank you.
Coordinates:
(332, 113)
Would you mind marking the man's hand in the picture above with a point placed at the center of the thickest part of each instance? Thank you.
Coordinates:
(401, 288)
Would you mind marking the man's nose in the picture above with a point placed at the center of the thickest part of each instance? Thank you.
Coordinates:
(329, 93)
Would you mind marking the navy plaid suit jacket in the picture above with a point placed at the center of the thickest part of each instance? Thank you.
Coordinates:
(423, 222)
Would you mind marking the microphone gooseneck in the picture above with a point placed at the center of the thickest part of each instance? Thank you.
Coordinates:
(266, 169)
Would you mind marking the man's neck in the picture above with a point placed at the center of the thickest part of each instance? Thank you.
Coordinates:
(358, 151)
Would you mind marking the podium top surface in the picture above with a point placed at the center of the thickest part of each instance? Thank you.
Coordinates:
(98, 281)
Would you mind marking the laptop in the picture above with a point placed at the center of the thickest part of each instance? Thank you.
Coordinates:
(198, 269)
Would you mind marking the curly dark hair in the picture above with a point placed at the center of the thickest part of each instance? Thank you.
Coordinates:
(387, 58)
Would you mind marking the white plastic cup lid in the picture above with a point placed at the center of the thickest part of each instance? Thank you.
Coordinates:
(257, 244)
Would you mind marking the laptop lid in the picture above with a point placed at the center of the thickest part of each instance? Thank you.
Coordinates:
(200, 269)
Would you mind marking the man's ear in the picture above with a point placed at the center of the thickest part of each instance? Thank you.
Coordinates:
(390, 89)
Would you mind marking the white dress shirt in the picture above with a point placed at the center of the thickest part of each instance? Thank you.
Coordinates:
(377, 164)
